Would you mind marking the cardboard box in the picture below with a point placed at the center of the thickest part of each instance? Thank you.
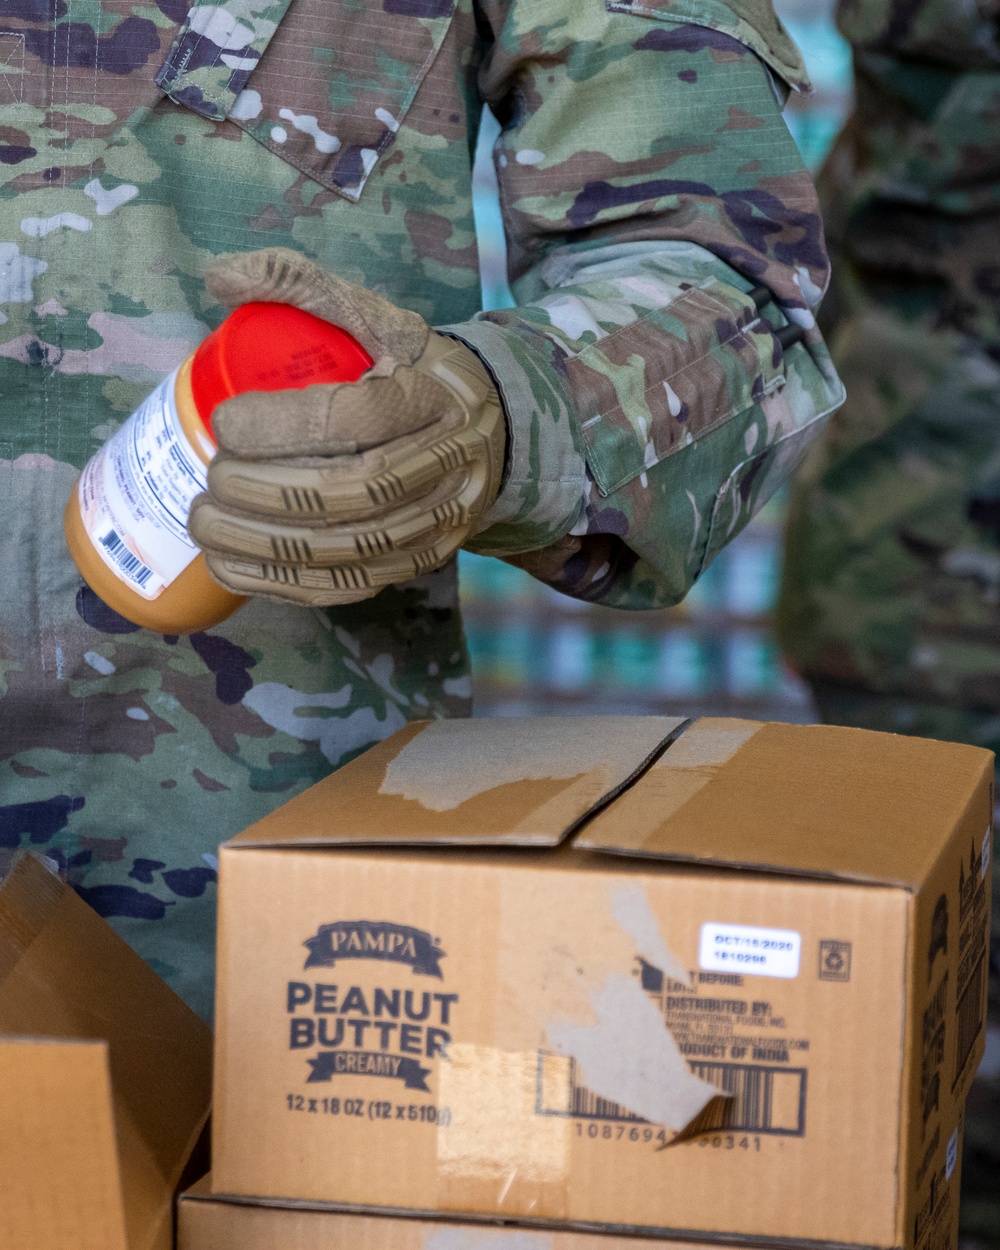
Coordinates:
(719, 980)
(208, 1222)
(105, 1078)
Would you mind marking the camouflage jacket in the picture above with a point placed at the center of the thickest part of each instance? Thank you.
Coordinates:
(648, 186)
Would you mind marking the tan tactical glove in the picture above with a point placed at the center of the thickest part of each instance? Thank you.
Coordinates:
(326, 495)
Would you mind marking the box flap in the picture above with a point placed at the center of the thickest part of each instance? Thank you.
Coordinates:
(59, 1182)
(64, 973)
(814, 800)
(514, 782)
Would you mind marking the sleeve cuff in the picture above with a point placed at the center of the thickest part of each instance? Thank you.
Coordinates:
(546, 484)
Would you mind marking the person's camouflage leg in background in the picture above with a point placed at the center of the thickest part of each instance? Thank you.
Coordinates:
(891, 599)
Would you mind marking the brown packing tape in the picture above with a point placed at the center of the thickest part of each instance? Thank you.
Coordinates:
(490, 782)
(432, 772)
(811, 800)
(493, 1096)
(688, 765)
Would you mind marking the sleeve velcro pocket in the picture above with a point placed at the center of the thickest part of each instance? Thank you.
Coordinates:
(663, 382)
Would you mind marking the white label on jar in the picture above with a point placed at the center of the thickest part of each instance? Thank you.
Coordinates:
(750, 949)
(136, 493)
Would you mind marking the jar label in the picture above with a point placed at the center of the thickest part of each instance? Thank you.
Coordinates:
(136, 493)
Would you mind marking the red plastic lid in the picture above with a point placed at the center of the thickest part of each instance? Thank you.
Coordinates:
(271, 347)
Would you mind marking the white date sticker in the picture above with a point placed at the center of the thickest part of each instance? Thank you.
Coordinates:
(749, 949)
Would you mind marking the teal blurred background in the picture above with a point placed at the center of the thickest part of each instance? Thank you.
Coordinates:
(535, 651)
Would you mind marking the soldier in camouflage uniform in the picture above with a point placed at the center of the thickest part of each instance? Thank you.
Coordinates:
(891, 598)
(661, 227)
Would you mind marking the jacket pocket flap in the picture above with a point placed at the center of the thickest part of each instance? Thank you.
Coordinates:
(216, 50)
(323, 85)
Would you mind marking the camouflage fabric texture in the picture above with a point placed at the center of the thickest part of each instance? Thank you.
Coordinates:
(651, 409)
(891, 598)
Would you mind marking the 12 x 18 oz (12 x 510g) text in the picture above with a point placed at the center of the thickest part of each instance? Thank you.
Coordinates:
(370, 1109)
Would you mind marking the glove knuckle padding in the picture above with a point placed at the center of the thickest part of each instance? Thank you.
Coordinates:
(311, 588)
(412, 526)
(325, 495)
(325, 586)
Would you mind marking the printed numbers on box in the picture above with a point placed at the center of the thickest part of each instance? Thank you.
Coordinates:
(730, 1141)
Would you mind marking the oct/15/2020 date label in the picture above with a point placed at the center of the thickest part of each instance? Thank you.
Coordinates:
(370, 1109)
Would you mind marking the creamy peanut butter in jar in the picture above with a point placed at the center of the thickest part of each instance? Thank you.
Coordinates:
(126, 519)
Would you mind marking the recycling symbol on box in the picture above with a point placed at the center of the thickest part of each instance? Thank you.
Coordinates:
(834, 960)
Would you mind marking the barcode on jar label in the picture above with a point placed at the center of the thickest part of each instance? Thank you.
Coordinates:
(131, 565)
(136, 492)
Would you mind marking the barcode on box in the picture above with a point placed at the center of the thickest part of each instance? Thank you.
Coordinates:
(129, 564)
(559, 1092)
(762, 1099)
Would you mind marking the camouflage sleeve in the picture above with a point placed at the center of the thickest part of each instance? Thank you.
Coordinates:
(661, 227)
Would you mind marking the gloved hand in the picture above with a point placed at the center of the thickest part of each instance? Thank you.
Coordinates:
(326, 495)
